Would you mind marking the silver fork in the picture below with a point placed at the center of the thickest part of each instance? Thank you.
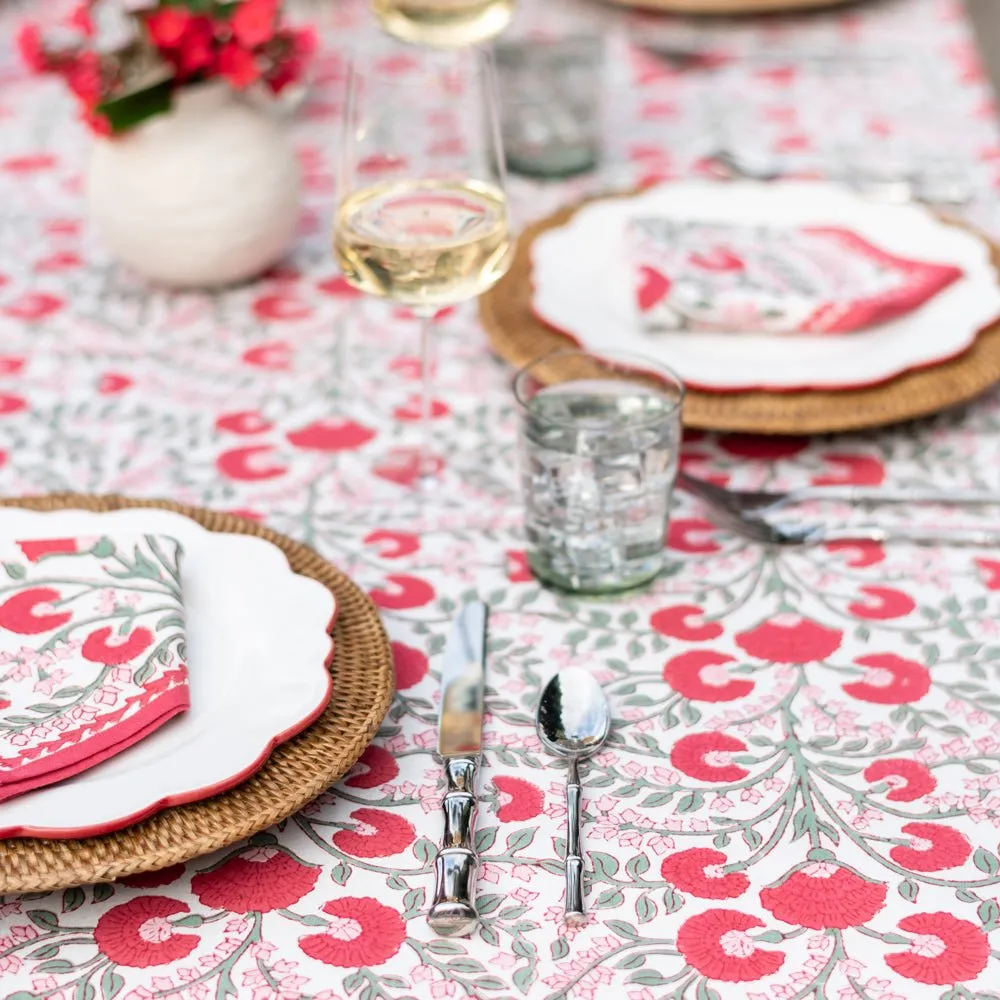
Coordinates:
(758, 504)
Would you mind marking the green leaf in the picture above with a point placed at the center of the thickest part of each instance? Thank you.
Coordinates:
(634, 961)
(424, 849)
(559, 948)
(638, 866)
(103, 891)
(413, 900)
(111, 984)
(519, 840)
(820, 854)
(524, 977)
(672, 900)
(609, 898)
(989, 914)
(752, 838)
(489, 983)
(769, 937)
(43, 918)
(485, 838)
(465, 966)
(604, 864)
(909, 890)
(442, 946)
(645, 908)
(622, 928)
(893, 938)
(488, 902)
(57, 965)
(648, 977)
(340, 874)
(986, 861)
(46, 951)
(691, 802)
(14, 570)
(72, 899)
(966, 896)
(104, 549)
(721, 839)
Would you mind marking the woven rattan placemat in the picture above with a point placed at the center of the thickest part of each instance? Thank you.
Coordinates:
(731, 6)
(295, 773)
(519, 337)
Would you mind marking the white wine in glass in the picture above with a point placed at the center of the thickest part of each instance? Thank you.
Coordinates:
(422, 217)
(444, 22)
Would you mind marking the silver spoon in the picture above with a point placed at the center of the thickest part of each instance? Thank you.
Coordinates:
(573, 721)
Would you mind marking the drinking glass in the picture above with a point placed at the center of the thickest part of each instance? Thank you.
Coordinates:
(422, 216)
(444, 23)
(599, 445)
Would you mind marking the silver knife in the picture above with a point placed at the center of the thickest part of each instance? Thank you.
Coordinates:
(460, 740)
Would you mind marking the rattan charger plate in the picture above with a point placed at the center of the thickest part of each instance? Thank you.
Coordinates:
(294, 774)
(519, 337)
(731, 6)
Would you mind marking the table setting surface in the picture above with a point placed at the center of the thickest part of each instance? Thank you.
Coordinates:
(800, 792)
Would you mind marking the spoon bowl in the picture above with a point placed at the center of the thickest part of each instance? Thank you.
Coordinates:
(574, 717)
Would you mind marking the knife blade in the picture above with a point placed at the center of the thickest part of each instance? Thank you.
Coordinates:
(460, 738)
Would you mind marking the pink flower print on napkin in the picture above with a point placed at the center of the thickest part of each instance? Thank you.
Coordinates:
(91, 652)
(761, 279)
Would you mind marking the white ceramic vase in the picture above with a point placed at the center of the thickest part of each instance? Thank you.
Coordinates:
(202, 196)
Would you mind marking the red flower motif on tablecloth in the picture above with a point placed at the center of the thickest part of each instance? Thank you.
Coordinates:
(768, 449)
(362, 932)
(29, 164)
(852, 470)
(30, 612)
(35, 550)
(111, 383)
(706, 757)
(913, 778)
(275, 356)
(700, 675)
(333, 435)
(280, 306)
(11, 404)
(403, 465)
(699, 871)
(261, 879)
(692, 534)
(859, 555)
(717, 945)
(412, 409)
(937, 847)
(393, 544)
(137, 933)
(61, 260)
(339, 287)
(375, 767)
(824, 894)
(111, 649)
(410, 665)
(790, 638)
(243, 422)
(378, 834)
(684, 621)
(153, 880)
(518, 570)
(254, 22)
(991, 572)
(882, 604)
(944, 951)
(11, 364)
(520, 800)
(889, 680)
(251, 464)
(401, 592)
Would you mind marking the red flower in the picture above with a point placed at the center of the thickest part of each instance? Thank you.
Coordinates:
(33, 551)
(855, 470)
(410, 664)
(34, 305)
(31, 49)
(332, 435)
(279, 306)
(917, 779)
(706, 757)
(939, 847)
(790, 638)
(243, 422)
(822, 895)
(684, 621)
(688, 534)
(138, 934)
(518, 570)
(340, 288)
(520, 800)
(699, 674)
(240, 68)
(412, 409)
(84, 79)
(61, 260)
(889, 680)
(375, 767)
(378, 834)
(883, 603)
(254, 22)
(698, 870)
(262, 879)
(991, 573)
(717, 945)
(167, 25)
(111, 383)
(196, 49)
(122, 649)
(249, 464)
(393, 544)
(403, 465)
(11, 404)
(275, 356)
(945, 951)
(362, 933)
(153, 880)
(28, 165)
(17, 613)
(402, 592)
(80, 19)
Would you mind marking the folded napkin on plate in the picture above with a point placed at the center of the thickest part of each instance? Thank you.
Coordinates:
(763, 279)
(91, 652)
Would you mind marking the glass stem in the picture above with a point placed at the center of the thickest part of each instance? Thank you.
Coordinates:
(428, 368)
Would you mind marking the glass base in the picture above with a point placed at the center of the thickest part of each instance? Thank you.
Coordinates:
(629, 576)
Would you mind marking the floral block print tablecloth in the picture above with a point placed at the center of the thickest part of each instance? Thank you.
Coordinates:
(801, 796)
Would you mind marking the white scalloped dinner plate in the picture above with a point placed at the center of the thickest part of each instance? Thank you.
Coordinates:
(258, 647)
(583, 286)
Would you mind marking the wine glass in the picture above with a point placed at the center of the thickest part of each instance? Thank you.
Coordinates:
(444, 23)
(422, 217)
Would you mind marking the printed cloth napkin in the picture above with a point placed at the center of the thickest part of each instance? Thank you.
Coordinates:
(762, 279)
(92, 652)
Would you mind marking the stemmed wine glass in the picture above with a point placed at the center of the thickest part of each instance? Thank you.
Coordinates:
(443, 22)
(422, 216)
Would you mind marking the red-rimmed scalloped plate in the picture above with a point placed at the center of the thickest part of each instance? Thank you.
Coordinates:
(584, 287)
(258, 646)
